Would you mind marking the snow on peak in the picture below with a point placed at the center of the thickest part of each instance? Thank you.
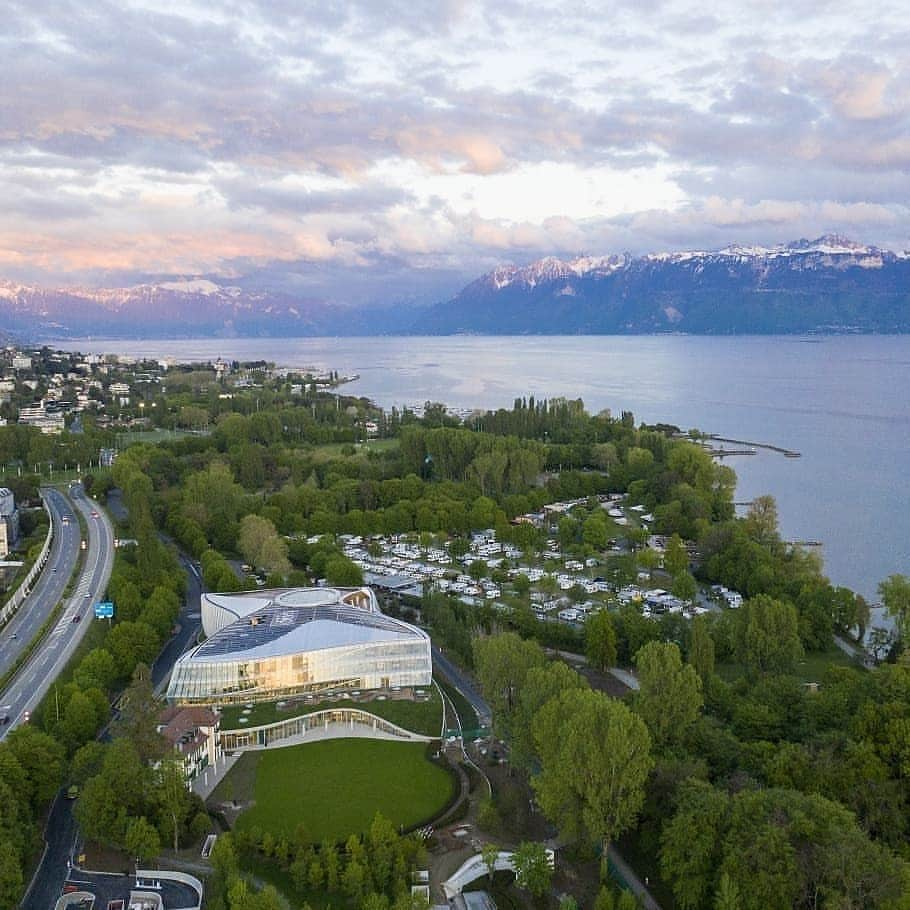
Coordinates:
(832, 244)
(192, 286)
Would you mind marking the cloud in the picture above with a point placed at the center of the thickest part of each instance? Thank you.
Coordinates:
(334, 142)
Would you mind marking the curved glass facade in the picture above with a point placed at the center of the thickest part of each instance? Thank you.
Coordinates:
(299, 641)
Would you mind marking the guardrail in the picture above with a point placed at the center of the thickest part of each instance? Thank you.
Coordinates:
(22, 591)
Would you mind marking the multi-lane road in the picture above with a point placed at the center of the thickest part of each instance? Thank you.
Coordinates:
(50, 584)
(37, 675)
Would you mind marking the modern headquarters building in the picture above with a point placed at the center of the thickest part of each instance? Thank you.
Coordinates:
(268, 644)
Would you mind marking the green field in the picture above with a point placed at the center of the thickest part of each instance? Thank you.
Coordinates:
(424, 717)
(335, 787)
(810, 669)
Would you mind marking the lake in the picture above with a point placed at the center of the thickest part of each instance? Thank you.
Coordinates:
(842, 402)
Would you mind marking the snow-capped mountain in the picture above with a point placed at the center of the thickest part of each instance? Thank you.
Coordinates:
(174, 308)
(829, 284)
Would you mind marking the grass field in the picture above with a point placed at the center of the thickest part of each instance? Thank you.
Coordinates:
(335, 787)
(810, 669)
(424, 717)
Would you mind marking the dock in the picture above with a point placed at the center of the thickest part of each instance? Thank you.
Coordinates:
(787, 453)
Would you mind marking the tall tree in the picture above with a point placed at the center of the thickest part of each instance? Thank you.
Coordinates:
(540, 685)
(701, 647)
(533, 872)
(691, 843)
(600, 640)
(895, 594)
(138, 718)
(669, 697)
(142, 839)
(595, 759)
(502, 662)
(767, 635)
(676, 558)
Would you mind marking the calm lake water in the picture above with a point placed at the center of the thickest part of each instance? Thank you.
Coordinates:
(843, 402)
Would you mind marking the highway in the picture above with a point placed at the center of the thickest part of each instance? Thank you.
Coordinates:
(38, 674)
(49, 586)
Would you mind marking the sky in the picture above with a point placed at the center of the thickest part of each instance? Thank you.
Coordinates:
(390, 151)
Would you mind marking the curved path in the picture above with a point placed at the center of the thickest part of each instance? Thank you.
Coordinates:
(37, 675)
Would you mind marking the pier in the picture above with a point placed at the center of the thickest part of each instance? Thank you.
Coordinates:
(787, 453)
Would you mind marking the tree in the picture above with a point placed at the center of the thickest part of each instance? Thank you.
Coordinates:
(11, 884)
(895, 594)
(80, 721)
(101, 815)
(767, 635)
(477, 569)
(595, 758)
(761, 520)
(490, 853)
(138, 718)
(726, 897)
(502, 663)
(175, 801)
(594, 531)
(540, 685)
(669, 697)
(676, 558)
(41, 758)
(341, 571)
(533, 871)
(96, 670)
(261, 546)
(701, 647)
(684, 587)
(142, 839)
(131, 643)
(522, 585)
(691, 843)
(600, 640)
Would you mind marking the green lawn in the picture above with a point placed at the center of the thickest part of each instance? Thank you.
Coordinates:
(810, 669)
(424, 717)
(335, 787)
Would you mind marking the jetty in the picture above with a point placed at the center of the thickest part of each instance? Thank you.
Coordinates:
(787, 453)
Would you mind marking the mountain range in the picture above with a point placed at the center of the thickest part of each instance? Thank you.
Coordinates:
(830, 284)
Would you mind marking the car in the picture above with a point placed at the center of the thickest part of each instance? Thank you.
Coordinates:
(94, 514)
(53, 569)
(77, 617)
(4, 720)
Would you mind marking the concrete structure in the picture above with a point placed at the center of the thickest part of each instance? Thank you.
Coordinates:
(267, 644)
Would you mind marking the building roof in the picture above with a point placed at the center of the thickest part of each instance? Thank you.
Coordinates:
(272, 624)
(183, 727)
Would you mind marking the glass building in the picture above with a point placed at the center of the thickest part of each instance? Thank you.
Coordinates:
(267, 644)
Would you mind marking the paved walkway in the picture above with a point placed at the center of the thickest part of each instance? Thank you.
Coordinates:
(632, 880)
(626, 677)
(205, 783)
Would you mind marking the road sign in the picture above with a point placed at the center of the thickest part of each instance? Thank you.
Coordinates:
(104, 610)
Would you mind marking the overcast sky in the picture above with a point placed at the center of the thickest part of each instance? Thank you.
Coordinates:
(391, 149)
